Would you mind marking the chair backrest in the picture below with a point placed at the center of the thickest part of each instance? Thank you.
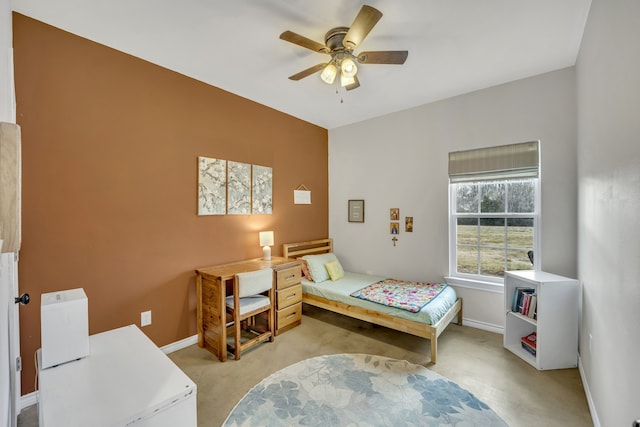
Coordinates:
(254, 282)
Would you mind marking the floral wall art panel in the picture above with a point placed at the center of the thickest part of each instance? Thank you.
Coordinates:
(239, 188)
(212, 186)
(262, 190)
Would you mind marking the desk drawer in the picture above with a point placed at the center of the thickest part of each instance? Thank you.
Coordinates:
(289, 315)
(289, 277)
(289, 296)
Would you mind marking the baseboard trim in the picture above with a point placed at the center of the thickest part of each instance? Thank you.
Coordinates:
(587, 392)
(32, 398)
(28, 400)
(483, 325)
(179, 345)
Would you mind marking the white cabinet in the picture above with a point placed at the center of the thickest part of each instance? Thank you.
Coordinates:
(555, 324)
(126, 380)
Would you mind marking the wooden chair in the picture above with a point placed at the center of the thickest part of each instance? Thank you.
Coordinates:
(251, 310)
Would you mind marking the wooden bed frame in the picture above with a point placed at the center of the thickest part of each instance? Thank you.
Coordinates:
(431, 332)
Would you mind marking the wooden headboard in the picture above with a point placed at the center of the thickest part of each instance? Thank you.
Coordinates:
(312, 247)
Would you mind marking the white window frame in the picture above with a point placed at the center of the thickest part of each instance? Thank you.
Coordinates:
(479, 281)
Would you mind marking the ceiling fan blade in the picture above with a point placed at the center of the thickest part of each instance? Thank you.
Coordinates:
(304, 73)
(294, 38)
(383, 57)
(367, 18)
(354, 85)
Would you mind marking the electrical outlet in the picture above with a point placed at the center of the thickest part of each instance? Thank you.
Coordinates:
(145, 318)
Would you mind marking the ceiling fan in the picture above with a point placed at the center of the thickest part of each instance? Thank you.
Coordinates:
(340, 43)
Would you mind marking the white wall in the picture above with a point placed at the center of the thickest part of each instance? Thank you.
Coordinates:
(608, 89)
(401, 161)
(7, 113)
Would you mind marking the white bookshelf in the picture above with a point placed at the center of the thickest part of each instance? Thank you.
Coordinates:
(557, 319)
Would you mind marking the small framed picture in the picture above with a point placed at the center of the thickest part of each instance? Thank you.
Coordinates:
(356, 211)
(408, 224)
(394, 227)
(394, 214)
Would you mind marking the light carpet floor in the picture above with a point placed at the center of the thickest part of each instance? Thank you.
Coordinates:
(473, 358)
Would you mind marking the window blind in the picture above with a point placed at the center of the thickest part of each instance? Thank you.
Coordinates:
(511, 161)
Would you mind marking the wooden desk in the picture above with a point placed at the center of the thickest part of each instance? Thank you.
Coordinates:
(212, 285)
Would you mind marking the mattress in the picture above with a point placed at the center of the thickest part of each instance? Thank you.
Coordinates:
(340, 291)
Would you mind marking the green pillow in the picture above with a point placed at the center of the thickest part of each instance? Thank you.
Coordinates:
(335, 270)
(316, 266)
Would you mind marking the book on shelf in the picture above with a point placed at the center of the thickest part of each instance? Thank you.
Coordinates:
(528, 348)
(530, 339)
(529, 342)
(533, 305)
(527, 309)
(525, 304)
(519, 297)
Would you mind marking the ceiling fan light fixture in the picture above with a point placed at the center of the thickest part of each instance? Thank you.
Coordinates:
(348, 67)
(340, 44)
(346, 80)
(329, 73)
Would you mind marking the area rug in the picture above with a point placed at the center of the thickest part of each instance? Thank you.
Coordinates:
(359, 390)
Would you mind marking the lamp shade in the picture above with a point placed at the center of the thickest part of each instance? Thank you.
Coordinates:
(348, 67)
(266, 238)
(329, 73)
(346, 81)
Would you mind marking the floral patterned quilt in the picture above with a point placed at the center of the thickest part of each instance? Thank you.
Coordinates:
(410, 296)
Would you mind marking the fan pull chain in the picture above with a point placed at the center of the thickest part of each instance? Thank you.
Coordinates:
(341, 99)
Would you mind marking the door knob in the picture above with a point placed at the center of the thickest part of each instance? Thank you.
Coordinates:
(23, 299)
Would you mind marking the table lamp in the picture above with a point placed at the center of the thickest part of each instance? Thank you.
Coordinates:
(266, 240)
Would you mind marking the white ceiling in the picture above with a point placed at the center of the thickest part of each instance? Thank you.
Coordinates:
(455, 46)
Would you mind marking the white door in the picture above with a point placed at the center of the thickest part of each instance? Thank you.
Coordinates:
(10, 228)
(9, 333)
(10, 340)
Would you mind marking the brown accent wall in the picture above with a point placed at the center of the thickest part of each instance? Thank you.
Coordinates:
(110, 145)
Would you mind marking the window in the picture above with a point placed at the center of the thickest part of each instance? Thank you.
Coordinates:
(493, 227)
(494, 211)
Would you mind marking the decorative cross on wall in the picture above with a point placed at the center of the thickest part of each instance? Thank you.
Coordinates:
(395, 239)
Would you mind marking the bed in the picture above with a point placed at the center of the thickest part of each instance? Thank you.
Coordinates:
(429, 322)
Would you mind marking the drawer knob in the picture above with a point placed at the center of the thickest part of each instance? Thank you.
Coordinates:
(291, 296)
(292, 315)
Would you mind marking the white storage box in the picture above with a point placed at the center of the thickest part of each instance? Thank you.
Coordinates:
(64, 327)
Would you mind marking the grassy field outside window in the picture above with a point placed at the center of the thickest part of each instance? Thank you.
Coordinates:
(484, 247)
(494, 226)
